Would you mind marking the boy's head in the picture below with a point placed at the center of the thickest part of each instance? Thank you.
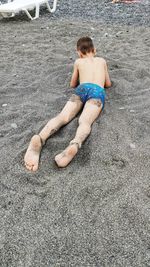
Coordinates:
(85, 45)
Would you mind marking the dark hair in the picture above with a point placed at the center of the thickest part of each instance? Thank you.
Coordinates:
(85, 45)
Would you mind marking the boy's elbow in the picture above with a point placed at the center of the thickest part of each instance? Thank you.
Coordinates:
(72, 85)
(108, 84)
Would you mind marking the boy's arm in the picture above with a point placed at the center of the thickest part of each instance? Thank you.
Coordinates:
(107, 78)
(75, 76)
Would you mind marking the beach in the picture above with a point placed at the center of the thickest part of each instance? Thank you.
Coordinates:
(96, 211)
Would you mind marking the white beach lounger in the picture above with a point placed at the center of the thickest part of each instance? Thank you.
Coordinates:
(10, 9)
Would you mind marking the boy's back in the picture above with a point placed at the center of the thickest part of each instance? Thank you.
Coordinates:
(92, 70)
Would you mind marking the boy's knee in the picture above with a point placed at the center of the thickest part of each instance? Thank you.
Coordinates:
(85, 124)
(83, 121)
(63, 119)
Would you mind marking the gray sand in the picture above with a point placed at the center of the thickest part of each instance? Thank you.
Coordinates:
(95, 212)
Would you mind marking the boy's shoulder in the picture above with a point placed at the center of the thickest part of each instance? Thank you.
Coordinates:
(77, 61)
(80, 60)
(101, 59)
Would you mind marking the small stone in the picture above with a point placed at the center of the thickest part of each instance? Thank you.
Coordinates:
(106, 34)
(4, 105)
(120, 32)
(92, 29)
(132, 110)
(47, 28)
(132, 146)
(14, 125)
(121, 108)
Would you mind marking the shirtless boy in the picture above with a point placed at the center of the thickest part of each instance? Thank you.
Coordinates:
(93, 75)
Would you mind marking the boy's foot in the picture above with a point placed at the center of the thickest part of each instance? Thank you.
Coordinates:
(64, 158)
(32, 155)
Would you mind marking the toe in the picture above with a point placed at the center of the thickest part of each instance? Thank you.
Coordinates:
(60, 156)
(35, 168)
(56, 158)
(29, 167)
(60, 163)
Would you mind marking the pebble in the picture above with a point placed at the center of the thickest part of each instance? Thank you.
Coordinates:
(132, 110)
(121, 108)
(106, 34)
(14, 125)
(118, 33)
(4, 105)
(132, 146)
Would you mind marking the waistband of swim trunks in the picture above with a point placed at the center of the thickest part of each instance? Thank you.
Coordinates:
(91, 85)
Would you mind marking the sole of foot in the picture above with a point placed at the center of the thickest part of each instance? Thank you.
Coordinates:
(64, 158)
(32, 155)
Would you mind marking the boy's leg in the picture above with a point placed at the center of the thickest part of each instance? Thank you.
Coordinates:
(90, 112)
(70, 110)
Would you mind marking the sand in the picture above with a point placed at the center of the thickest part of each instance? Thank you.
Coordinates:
(95, 212)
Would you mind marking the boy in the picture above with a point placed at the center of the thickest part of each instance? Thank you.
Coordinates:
(93, 75)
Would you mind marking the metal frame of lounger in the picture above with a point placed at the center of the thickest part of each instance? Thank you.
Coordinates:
(11, 13)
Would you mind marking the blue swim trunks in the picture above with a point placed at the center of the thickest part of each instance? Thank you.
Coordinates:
(87, 91)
